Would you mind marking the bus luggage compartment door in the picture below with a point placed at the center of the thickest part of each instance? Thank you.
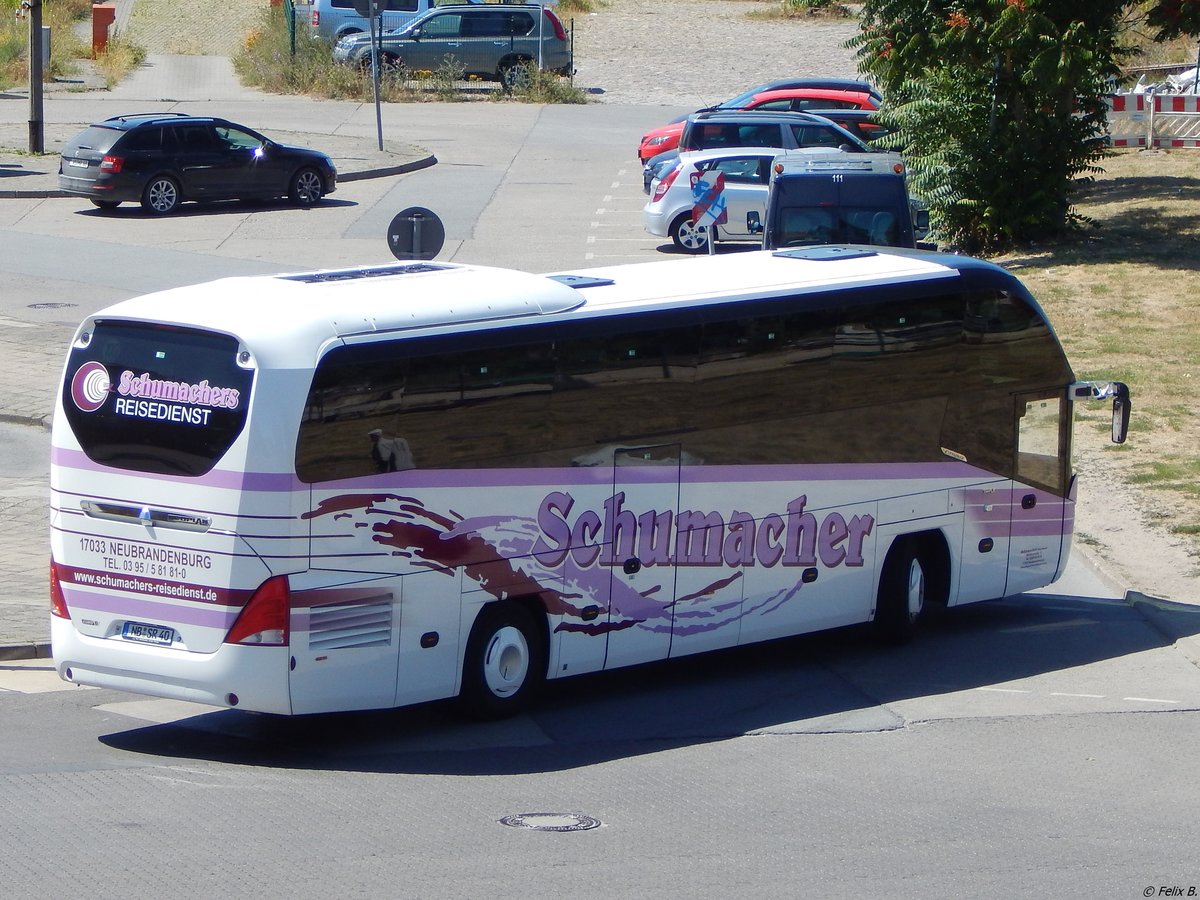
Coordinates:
(639, 550)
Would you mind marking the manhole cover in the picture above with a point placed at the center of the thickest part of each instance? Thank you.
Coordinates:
(52, 305)
(551, 821)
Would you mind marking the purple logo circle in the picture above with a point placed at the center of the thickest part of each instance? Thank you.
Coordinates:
(90, 386)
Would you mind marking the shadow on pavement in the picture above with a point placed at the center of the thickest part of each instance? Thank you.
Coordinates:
(839, 681)
(133, 210)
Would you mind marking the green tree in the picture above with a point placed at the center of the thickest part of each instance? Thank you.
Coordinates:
(999, 105)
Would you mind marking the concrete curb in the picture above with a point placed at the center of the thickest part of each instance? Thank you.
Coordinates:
(26, 650)
(1177, 622)
(42, 422)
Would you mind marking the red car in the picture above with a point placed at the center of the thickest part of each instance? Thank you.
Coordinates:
(854, 96)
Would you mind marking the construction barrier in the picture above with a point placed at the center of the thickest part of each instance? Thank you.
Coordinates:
(1154, 120)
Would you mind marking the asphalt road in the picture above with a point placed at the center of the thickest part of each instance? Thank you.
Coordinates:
(1035, 747)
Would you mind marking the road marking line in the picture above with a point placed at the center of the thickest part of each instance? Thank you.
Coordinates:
(997, 690)
(1088, 696)
(1147, 700)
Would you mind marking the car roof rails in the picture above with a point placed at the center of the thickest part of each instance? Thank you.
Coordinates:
(154, 115)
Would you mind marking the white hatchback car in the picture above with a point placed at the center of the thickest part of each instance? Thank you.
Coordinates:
(747, 171)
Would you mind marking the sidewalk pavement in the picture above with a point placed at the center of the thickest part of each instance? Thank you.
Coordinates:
(195, 84)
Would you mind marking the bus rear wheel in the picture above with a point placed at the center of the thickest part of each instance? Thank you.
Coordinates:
(505, 662)
(902, 593)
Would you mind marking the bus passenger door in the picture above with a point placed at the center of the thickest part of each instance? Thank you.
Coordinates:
(639, 549)
(1039, 504)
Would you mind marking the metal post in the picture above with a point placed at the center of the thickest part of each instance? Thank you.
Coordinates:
(1151, 99)
(289, 9)
(373, 6)
(37, 142)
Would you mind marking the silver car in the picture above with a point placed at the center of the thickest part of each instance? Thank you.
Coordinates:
(495, 42)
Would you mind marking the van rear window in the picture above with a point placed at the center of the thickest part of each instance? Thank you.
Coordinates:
(156, 399)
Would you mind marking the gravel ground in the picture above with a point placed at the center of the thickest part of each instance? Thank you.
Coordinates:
(693, 53)
(204, 29)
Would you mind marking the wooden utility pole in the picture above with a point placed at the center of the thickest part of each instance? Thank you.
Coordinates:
(37, 142)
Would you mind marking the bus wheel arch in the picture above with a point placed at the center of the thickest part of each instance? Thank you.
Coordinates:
(915, 578)
(506, 659)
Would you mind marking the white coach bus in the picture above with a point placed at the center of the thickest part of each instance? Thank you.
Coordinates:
(374, 487)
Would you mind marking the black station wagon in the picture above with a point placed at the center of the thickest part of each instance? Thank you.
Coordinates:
(162, 159)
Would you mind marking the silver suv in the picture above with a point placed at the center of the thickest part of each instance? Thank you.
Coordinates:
(495, 42)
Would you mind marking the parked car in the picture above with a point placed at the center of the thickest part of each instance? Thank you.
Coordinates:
(747, 171)
(334, 19)
(859, 122)
(496, 42)
(801, 94)
(747, 128)
(163, 159)
(818, 197)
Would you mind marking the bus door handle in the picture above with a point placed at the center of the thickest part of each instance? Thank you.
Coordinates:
(632, 566)
(1029, 501)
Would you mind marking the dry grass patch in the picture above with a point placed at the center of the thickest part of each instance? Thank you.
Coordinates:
(1125, 300)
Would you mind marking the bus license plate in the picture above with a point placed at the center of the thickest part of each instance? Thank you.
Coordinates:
(147, 634)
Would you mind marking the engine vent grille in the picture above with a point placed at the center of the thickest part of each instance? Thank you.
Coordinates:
(367, 623)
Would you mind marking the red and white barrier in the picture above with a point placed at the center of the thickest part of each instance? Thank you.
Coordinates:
(1154, 120)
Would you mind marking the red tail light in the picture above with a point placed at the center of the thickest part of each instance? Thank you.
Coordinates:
(559, 31)
(112, 164)
(58, 600)
(264, 620)
(665, 182)
(316, 19)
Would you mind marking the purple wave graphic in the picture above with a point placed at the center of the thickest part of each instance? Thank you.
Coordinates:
(497, 553)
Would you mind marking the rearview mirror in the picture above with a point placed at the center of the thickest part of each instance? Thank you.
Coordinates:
(1120, 421)
(753, 222)
(1102, 390)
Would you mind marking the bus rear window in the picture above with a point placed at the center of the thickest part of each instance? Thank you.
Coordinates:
(156, 399)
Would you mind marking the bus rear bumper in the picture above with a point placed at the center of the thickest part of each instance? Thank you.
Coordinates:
(249, 678)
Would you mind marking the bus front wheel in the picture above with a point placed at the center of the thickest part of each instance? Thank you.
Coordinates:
(505, 663)
(902, 593)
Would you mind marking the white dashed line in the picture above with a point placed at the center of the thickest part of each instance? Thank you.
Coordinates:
(1147, 700)
(1004, 690)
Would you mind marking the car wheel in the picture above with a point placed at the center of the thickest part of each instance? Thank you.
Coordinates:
(686, 236)
(161, 195)
(307, 189)
(505, 661)
(901, 599)
(516, 75)
(106, 204)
